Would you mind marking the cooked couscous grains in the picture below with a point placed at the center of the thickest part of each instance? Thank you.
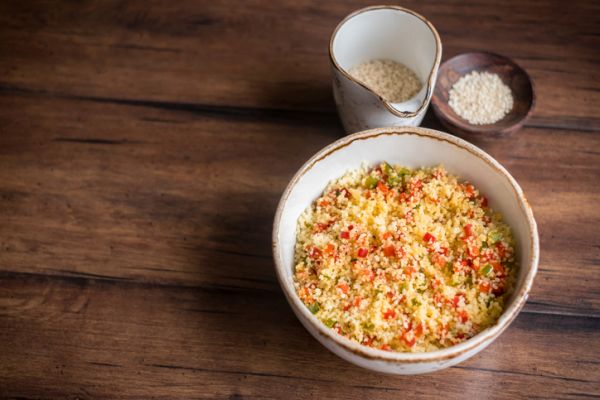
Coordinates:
(403, 260)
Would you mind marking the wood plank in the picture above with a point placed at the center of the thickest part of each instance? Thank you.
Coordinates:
(88, 338)
(154, 51)
(186, 197)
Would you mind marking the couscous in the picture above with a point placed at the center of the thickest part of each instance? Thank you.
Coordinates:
(401, 259)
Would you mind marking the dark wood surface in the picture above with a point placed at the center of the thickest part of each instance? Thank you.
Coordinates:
(144, 147)
(515, 77)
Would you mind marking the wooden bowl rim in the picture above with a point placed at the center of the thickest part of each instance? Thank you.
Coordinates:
(458, 122)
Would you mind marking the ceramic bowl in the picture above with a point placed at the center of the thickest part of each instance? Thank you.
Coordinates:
(412, 147)
(512, 75)
(382, 32)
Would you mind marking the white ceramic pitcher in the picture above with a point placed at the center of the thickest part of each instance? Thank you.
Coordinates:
(383, 32)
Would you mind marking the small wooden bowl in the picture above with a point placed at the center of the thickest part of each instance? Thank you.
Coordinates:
(511, 74)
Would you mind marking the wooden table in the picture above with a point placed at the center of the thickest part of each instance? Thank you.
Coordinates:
(143, 149)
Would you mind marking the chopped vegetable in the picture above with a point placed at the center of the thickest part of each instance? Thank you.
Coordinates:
(314, 308)
(485, 270)
(428, 238)
(371, 182)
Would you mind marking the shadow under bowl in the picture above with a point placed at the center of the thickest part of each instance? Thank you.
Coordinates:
(511, 74)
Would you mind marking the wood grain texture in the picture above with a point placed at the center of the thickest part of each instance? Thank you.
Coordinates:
(227, 342)
(511, 74)
(143, 150)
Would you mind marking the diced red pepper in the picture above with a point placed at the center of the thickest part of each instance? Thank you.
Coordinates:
(428, 238)
(468, 229)
(389, 251)
(356, 302)
(484, 201)
(321, 227)
(410, 270)
(463, 316)
(438, 260)
(385, 347)
(498, 268)
(444, 250)
(418, 330)
(329, 249)
(324, 203)
(389, 314)
(456, 300)
(410, 340)
(470, 190)
(350, 227)
(473, 251)
(484, 287)
(382, 187)
(315, 253)
(345, 235)
(362, 252)
(501, 249)
(387, 235)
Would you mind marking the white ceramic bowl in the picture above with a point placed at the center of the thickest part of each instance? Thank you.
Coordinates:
(412, 147)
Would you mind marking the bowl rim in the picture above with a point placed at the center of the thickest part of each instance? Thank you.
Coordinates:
(431, 80)
(487, 128)
(369, 353)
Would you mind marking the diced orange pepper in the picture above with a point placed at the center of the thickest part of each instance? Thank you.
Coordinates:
(389, 251)
(382, 187)
(329, 249)
(344, 288)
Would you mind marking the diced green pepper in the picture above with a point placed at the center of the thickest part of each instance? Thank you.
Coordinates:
(387, 168)
(371, 182)
(448, 266)
(495, 237)
(485, 270)
(394, 180)
(330, 323)
(416, 302)
(404, 171)
(314, 308)
(368, 326)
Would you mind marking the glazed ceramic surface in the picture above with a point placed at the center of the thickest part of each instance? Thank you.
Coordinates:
(411, 147)
(382, 32)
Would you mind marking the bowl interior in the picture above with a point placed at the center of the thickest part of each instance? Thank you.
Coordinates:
(511, 74)
(411, 147)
